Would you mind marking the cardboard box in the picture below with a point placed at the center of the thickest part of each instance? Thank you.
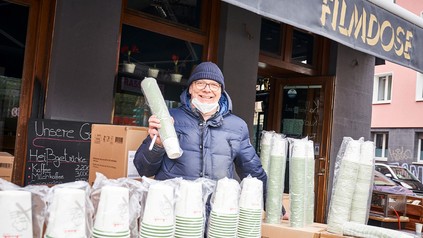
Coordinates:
(326, 234)
(284, 230)
(6, 166)
(113, 149)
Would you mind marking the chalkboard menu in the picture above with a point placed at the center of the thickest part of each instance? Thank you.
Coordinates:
(57, 151)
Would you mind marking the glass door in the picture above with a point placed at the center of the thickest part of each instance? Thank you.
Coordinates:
(13, 30)
(299, 108)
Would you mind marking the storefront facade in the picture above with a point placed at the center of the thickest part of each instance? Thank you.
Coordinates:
(311, 76)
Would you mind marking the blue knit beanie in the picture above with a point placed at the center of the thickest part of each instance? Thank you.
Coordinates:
(207, 70)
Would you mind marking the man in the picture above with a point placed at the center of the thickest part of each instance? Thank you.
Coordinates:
(214, 141)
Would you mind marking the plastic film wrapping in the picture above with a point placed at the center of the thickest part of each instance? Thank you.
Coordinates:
(39, 205)
(360, 230)
(344, 186)
(158, 107)
(276, 179)
(265, 143)
(301, 182)
(363, 188)
(69, 202)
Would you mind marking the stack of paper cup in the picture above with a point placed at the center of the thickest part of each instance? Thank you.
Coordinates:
(250, 208)
(158, 107)
(67, 214)
(15, 214)
(112, 217)
(223, 220)
(265, 144)
(344, 186)
(363, 186)
(301, 181)
(276, 179)
(189, 219)
(159, 216)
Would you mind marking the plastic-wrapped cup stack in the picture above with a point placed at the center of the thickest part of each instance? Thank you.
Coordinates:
(67, 214)
(250, 208)
(112, 217)
(159, 217)
(343, 191)
(265, 144)
(301, 180)
(158, 107)
(16, 214)
(189, 207)
(361, 230)
(223, 220)
(276, 179)
(362, 192)
(309, 188)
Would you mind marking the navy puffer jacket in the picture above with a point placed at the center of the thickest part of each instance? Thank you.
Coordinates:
(211, 148)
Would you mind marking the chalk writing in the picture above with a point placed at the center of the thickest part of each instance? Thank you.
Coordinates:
(58, 151)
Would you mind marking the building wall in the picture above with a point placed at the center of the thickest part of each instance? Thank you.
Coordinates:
(239, 47)
(402, 117)
(403, 111)
(352, 100)
(83, 61)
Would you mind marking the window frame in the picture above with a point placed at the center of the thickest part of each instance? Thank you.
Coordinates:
(387, 89)
(419, 156)
(207, 35)
(419, 87)
(284, 60)
(385, 138)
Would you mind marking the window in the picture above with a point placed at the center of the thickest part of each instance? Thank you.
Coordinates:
(419, 87)
(381, 143)
(382, 88)
(166, 37)
(420, 147)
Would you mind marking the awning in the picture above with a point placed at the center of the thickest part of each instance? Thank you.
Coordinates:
(359, 24)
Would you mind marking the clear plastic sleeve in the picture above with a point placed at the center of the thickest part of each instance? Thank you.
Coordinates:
(276, 179)
(352, 184)
(155, 101)
(39, 205)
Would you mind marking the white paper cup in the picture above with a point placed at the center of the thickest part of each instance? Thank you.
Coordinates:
(226, 197)
(419, 228)
(67, 213)
(172, 148)
(15, 214)
(189, 201)
(159, 208)
(113, 211)
(251, 194)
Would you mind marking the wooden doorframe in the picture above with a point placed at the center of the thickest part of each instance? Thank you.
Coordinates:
(35, 71)
(323, 160)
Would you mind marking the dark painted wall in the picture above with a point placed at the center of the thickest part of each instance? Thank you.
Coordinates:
(84, 60)
(352, 110)
(239, 46)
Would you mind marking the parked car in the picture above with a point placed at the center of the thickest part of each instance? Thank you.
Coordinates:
(401, 176)
(382, 183)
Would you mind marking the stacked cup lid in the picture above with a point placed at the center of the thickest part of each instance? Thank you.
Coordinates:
(15, 214)
(67, 214)
(112, 217)
(223, 220)
(189, 219)
(250, 208)
(158, 219)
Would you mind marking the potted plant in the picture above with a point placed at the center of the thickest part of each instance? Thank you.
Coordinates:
(127, 65)
(153, 72)
(175, 76)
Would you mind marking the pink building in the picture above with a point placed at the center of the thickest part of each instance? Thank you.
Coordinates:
(397, 111)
